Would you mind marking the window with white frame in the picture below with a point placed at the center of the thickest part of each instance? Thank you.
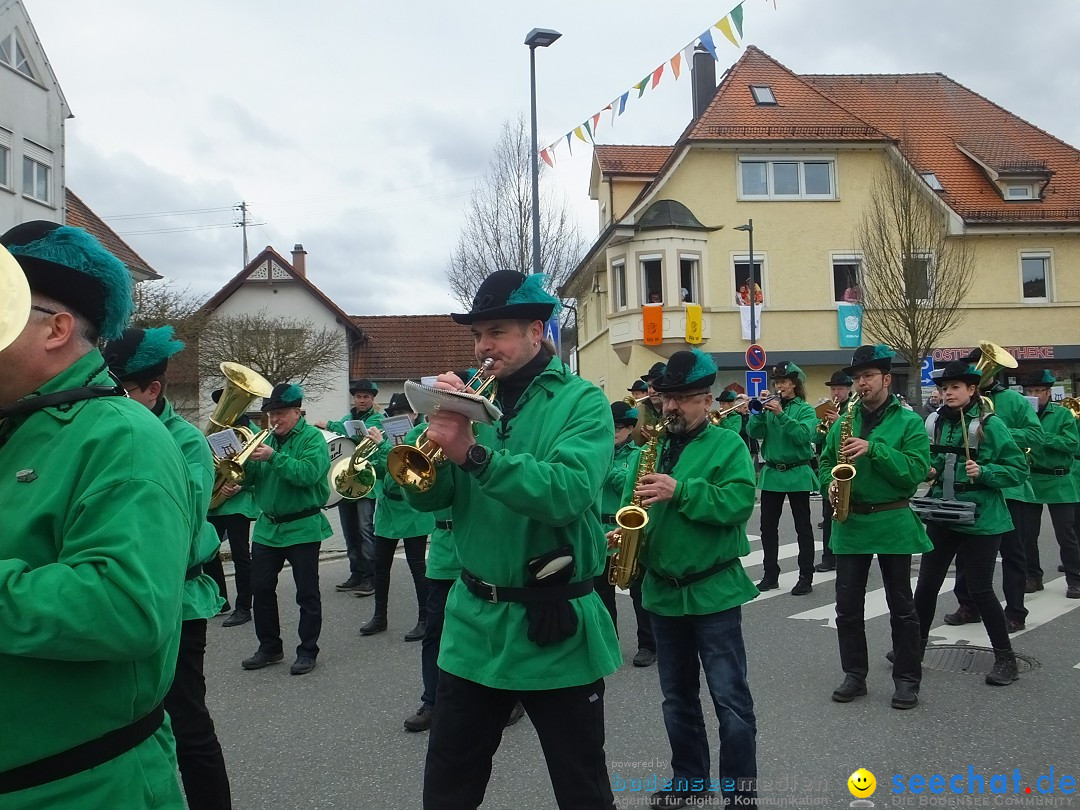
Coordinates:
(787, 178)
(846, 268)
(918, 268)
(689, 279)
(618, 285)
(1018, 192)
(37, 172)
(741, 269)
(652, 279)
(13, 55)
(5, 158)
(1035, 277)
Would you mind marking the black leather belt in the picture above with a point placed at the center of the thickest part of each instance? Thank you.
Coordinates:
(289, 518)
(874, 508)
(787, 465)
(1058, 471)
(607, 518)
(445, 525)
(393, 496)
(697, 576)
(969, 487)
(497, 593)
(82, 757)
(956, 451)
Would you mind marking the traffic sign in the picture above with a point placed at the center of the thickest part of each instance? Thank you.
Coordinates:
(755, 357)
(924, 371)
(757, 383)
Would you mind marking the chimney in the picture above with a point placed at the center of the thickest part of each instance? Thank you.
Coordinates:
(702, 80)
(298, 263)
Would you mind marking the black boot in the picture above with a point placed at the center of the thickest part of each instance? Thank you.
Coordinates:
(376, 625)
(1004, 671)
(850, 689)
(890, 656)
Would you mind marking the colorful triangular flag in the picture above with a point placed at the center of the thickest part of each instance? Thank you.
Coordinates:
(656, 74)
(622, 101)
(641, 86)
(736, 17)
(707, 43)
(725, 29)
(676, 63)
(547, 158)
(577, 131)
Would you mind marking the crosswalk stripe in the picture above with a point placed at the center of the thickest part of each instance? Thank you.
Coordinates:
(875, 605)
(1043, 606)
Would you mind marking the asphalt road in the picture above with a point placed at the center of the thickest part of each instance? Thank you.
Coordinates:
(334, 738)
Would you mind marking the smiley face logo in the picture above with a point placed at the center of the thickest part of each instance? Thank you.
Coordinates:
(862, 784)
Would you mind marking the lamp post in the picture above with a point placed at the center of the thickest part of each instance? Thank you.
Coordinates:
(749, 228)
(537, 38)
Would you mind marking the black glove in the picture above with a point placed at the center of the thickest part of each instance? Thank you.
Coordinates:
(551, 622)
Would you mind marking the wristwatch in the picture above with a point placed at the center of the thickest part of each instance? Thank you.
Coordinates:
(476, 459)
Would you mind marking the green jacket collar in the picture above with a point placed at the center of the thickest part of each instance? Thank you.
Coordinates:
(299, 426)
(90, 369)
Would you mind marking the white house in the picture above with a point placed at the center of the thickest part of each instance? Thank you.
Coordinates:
(32, 115)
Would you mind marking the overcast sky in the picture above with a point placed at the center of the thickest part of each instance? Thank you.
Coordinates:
(359, 129)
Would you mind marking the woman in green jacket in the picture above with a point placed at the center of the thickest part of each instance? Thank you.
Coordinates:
(788, 427)
(976, 451)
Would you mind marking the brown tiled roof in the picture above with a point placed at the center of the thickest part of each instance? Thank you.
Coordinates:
(79, 215)
(932, 116)
(802, 112)
(218, 298)
(408, 347)
(641, 161)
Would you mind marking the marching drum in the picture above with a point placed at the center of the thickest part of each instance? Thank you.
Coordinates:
(339, 446)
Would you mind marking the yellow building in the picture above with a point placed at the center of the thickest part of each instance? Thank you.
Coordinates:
(799, 156)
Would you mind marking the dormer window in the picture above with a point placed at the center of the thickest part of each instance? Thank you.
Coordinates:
(763, 95)
(1018, 192)
(932, 181)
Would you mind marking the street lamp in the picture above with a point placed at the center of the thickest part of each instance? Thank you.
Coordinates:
(749, 228)
(537, 38)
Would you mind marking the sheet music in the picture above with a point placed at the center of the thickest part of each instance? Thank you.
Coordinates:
(355, 427)
(428, 400)
(396, 427)
(225, 443)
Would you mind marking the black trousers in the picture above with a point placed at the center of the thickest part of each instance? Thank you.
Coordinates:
(772, 504)
(415, 550)
(438, 590)
(238, 529)
(606, 591)
(851, 574)
(198, 752)
(1013, 566)
(266, 564)
(826, 531)
(468, 726)
(1063, 516)
(979, 554)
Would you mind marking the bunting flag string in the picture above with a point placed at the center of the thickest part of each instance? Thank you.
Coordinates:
(730, 25)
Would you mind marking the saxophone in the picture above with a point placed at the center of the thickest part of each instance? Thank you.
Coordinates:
(633, 518)
(843, 473)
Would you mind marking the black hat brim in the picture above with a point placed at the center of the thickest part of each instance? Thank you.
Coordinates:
(668, 386)
(509, 312)
(968, 379)
(883, 364)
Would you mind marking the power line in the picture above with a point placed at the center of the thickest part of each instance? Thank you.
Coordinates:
(180, 229)
(169, 213)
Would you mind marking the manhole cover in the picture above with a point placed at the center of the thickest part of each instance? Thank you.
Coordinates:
(969, 660)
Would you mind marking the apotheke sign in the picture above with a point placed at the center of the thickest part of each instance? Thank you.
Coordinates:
(942, 356)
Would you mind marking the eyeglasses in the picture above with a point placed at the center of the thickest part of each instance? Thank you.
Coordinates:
(867, 376)
(46, 310)
(681, 399)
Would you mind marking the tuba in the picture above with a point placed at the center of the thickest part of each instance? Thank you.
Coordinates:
(354, 476)
(242, 387)
(632, 519)
(14, 299)
(843, 473)
(413, 466)
(1073, 404)
(992, 359)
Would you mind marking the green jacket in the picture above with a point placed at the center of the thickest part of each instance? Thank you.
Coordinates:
(242, 503)
(394, 516)
(202, 600)
(295, 478)
(372, 418)
(733, 421)
(702, 525)
(540, 491)
(1024, 427)
(1002, 465)
(623, 467)
(895, 465)
(92, 559)
(442, 560)
(787, 437)
(1059, 446)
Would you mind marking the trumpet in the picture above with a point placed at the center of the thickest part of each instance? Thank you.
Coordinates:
(413, 466)
(716, 417)
(757, 406)
(632, 402)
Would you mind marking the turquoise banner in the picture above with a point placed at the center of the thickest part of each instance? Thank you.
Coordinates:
(849, 325)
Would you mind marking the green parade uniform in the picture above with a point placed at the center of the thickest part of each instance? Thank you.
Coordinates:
(1053, 484)
(540, 488)
(733, 420)
(242, 503)
(788, 449)
(975, 546)
(290, 488)
(1020, 418)
(96, 511)
(623, 467)
(879, 522)
(695, 586)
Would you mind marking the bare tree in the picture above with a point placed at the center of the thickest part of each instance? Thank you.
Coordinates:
(497, 234)
(280, 349)
(915, 275)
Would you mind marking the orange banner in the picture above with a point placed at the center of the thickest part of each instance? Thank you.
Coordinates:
(652, 317)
